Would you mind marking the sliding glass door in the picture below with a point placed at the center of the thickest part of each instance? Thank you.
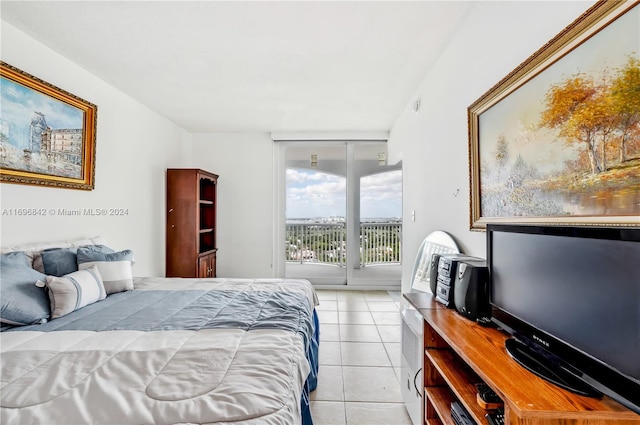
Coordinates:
(377, 215)
(339, 220)
(316, 209)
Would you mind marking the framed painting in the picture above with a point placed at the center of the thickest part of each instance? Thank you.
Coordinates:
(47, 135)
(558, 139)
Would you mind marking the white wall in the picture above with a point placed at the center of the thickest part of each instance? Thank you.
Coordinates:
(244, 162)
(134, 147)
(495, 37)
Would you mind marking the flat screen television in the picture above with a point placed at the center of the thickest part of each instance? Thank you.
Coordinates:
(570, 298)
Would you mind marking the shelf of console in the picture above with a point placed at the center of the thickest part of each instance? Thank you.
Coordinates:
(460, 353)
(438, 405)
(460, 382)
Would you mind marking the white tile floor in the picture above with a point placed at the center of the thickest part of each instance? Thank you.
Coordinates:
(359, 359)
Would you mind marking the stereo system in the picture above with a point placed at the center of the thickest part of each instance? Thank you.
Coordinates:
(462, 282)
(447, 266)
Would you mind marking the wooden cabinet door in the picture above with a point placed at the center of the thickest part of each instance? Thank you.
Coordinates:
(212, 264)
(203, 266)
(207, 265)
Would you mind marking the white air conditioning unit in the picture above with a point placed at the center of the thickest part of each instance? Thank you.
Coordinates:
(411, 362)
(411, 381)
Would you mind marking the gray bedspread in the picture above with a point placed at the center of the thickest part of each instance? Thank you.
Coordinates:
(154, 310)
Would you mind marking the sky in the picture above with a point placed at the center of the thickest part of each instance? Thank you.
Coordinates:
(18, 106)
(517, 115)
(315, 194)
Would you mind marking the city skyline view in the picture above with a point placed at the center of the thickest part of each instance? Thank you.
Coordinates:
(312, 194)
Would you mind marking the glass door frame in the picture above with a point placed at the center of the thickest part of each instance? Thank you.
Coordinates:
(280, 224)
(352, 219)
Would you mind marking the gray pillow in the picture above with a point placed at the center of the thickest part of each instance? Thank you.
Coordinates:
(62, 261)
(23, 303)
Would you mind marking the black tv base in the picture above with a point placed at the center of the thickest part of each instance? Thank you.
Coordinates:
(545, 368)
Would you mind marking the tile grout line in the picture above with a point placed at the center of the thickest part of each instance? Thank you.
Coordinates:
(344, 397)
(341, 337)
(383, 342)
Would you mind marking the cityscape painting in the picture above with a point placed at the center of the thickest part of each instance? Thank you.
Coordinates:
(47, 136)
(558, 140)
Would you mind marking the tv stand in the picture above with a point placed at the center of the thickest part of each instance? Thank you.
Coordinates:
(459, 353)
(547, 369)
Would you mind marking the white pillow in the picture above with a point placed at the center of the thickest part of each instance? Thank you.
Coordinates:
(114, 267)
(74, 291)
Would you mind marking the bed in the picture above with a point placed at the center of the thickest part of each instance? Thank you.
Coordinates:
(165, 351)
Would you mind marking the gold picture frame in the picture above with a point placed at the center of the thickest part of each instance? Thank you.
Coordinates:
(47, 135)
(558, 139)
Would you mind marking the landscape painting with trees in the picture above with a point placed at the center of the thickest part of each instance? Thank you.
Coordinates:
(559, 138)
(565, 144)
(597, 121)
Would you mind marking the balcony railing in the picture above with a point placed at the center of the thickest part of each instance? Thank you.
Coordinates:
(325, 243)
(380, 243)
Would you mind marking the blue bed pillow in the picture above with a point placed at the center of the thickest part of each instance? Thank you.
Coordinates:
(23, 303)
(62, 261)
(59, 261)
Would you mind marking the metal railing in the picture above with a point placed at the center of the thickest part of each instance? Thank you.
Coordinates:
(380, 243)
(326, 243)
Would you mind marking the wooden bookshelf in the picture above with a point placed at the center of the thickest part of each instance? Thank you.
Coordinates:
(191, 246)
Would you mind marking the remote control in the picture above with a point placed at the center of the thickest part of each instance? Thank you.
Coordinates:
(487, 398)
(495, 418)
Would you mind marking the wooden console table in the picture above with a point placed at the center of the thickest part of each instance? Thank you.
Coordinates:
(459, 353)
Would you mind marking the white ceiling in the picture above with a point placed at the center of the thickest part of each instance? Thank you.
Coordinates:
(213, 66)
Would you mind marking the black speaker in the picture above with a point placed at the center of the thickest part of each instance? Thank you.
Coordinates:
(471, 289)
(433, 272)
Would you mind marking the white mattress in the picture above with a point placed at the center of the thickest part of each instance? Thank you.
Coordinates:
(210, 376)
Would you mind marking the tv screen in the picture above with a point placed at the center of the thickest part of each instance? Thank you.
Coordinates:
(573, 292)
